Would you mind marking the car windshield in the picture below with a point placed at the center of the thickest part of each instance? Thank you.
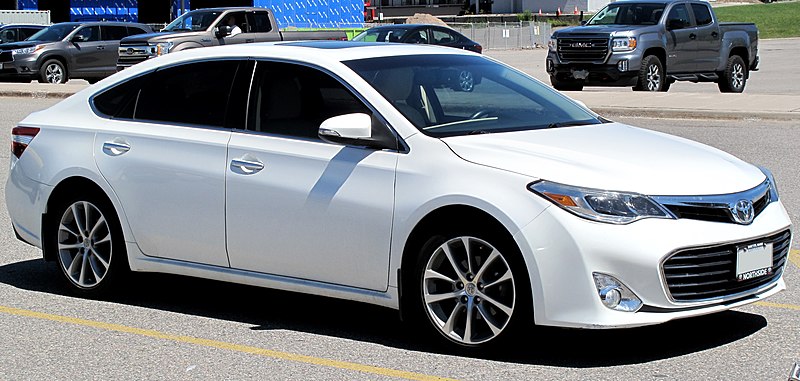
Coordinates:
(450, 95)
(381, 35)
(628, 14)
(53, 33)
(193, 21)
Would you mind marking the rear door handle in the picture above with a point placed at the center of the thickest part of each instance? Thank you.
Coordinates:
(116, 147)
(247, 166)
(101, 47)
(692, 36)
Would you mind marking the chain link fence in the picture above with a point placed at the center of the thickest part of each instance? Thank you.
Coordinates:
(507, 35)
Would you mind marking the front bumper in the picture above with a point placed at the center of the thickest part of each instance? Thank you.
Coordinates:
(562, 251)
(21, 66)
(607, 73)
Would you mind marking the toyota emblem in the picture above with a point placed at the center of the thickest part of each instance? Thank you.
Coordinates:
(743, 212)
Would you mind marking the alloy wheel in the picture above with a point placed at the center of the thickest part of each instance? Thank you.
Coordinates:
(737, 76)
(54, 73)
(468, 290)
(84, 244)
(653, 78)
(466, 80)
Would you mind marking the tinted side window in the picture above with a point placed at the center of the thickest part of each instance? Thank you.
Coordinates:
(8, 35)
(195, 93)
(135, 30)
(441, 36)
(88, 34)
(118, 101)
(260, 22)
(679, 12)
(26, 32)
(701, 14)
(114, 33)
(294, 100)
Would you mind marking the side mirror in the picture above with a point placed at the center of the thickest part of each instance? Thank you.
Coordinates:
(673, 24)
(223, 31)
(79, 38)
(354, 129)
(583, 22)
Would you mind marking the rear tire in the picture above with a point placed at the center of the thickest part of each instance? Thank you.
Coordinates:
(566, 85)
(470, 289)
(734, 77)
(88, 244)
(651, 75)
(53, 71)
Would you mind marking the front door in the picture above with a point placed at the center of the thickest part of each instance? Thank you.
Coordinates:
(86, 49)
(300, 207)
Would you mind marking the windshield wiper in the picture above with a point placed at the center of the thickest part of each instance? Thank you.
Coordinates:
(567, 124)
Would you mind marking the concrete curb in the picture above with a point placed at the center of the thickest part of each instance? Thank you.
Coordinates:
(41, 94)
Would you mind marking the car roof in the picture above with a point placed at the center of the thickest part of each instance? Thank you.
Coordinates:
(116, 23)
(223, 9)
(17, 25)
(407, 26)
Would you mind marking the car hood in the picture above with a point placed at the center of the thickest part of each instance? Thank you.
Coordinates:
(594, 30)
(157, 37)
(21, 44)
(611, 156)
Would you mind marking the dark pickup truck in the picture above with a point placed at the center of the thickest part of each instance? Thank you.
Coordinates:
(649, 44)
(213, 27)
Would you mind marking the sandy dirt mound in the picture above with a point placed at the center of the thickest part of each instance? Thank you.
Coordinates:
(424, 18)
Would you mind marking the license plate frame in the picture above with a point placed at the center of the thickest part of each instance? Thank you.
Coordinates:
(753, 261)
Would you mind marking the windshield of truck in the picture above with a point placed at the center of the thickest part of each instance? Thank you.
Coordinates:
(628, 14)
(193, 21)
(381, 35)
(53, 33)
(453, 94)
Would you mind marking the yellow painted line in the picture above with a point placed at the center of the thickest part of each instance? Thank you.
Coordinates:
(223, 345)
(778, 305)
(794, 256)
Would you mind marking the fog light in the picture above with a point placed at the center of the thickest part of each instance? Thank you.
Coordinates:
(615, 295)
(550, 66)
(622, 65)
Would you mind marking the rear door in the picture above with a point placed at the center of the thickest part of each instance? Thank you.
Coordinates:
(261, 26)
(111, 34)
(681, 42)
(708, 38)
(164, 155)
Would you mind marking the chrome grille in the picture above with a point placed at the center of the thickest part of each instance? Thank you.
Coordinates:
(716, 208)
(131, 55)
(582, 49)
(699, 274)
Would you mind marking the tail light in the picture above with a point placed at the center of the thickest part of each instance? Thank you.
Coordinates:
(21, 137)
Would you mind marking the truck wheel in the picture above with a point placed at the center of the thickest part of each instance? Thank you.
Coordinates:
(566, 85)
(651, 75)
(53, 71)
(734, 77)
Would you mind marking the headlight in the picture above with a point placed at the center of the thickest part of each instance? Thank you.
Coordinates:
(553, 44)
(623, 44)
(773, 186)
(162, 48)
(30, 50)
(600, 205)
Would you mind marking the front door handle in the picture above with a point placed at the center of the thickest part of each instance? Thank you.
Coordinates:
(247, 167)
(101, 47)
(692, 36)
(249, 40)
(714, 34)
(116, 147)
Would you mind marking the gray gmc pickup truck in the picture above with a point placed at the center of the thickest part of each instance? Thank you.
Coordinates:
(213, 27)
(649, 44)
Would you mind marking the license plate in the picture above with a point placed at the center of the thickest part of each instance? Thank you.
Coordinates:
(580, 74)
(753, 261)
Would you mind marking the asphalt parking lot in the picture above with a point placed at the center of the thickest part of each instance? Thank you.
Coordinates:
(170, 327)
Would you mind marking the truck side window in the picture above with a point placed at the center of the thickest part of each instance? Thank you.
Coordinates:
(293, 100)
(259, 22)
(114, 32)
(679, 13)
(701, 14)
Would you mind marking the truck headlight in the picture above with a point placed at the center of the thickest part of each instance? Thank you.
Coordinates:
(29, 50)
(553, 44)
(600, 205)
(162, 48)
(623, 44)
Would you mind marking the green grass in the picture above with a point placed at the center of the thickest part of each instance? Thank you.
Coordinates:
(776, 20)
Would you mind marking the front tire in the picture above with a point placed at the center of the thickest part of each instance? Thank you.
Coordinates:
(471, 288)
(734, 77)
(651, 75)
(53, 71)
(88, 243)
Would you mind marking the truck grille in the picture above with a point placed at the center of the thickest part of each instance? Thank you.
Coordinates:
(699, 274)
(582, 49)
(131, 55)
(6, 56)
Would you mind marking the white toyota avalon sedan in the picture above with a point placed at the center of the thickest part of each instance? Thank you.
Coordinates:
(376, 173)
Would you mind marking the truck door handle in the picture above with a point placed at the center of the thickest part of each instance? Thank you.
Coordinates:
(250, 40)
(714, 34)
(247, 167)
(692, 36)
(116, 147)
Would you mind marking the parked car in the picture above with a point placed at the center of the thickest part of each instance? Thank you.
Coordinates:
(67, 50)
(649, 44)
(17, 32)
(213, 27)
(355, 171)
(419, 34)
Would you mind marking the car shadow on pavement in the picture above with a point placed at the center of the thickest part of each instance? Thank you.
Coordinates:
(267, 309)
